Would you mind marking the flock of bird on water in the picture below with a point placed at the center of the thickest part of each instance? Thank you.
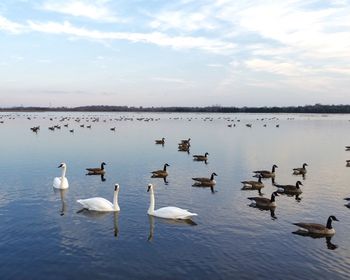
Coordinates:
(103, 205)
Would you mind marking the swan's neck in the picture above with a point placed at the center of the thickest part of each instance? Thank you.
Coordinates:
(151, 205)
(115, 200)
(64, 169)
(329, 223)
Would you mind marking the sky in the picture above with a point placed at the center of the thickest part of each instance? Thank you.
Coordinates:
(174, 53)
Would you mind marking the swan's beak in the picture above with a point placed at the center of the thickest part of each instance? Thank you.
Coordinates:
(149, 187)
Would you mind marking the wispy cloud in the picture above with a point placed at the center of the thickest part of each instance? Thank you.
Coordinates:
(10, 26)
(96, 10)
(157, 38)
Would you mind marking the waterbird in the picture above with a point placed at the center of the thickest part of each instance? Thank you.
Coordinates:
(266, 173)
(290, 189)
(101, 204)
(201, 157)
(169, 212)
(161, 141)
(161, 173)
(263, 201)
(206, 181)
(253, 185)
(300, 170)
(61, 182)
(318, 228)
(97, 170)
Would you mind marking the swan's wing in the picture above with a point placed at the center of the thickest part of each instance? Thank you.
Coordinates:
(171, 212)
(96, 204)
(57, 182)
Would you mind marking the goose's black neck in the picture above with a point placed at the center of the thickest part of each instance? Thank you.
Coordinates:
(272, 197)
(273, 169)
(329, 223)
(212, 177)
(259, 179)
(297, 185)
(164, 169)
(102, 166)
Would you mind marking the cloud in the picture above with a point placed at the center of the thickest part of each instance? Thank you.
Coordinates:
(10, 26)
(94, 10)
(157, 38)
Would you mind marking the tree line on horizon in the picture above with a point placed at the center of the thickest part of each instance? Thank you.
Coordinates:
(316, 108)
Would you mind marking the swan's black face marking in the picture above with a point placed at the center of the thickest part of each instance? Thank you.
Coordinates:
(149, 187)
(61, 165)
(116, 187)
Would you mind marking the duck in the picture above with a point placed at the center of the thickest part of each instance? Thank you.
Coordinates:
(201, 157)
(61, 182)
(161, 141)
(169, 212)
(266, 173)
(294, 189)
(101, 204)
(318, 228)
(161, 173)
(300, 170)
(206, 181)
(263, 201)
(97, 170)
(253, 185)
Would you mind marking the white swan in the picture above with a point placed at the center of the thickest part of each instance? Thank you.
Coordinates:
(61, 182)
(100, 204)
(169, 212)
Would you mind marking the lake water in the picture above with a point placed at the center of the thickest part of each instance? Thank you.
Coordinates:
(43, 237)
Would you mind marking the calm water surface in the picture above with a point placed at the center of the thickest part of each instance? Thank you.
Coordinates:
(43, 237)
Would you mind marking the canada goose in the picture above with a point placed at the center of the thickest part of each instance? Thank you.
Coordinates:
(206, 181)
(201, 157)
(252, 185)
(101, 204)
(184, 148)
(186, 142)
(248, 125)
(263, 201)
(160, 173)
(290, 189)
(112, 128)
(161, 142)
(97, 170)
(318, 228)
(169, 212)
(300, 170)
(347, 148)
(71, 130)
(266, 173)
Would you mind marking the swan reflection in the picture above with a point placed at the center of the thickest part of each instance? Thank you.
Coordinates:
(63, 202)
(329, 244)
(152, 219)
(100, 215)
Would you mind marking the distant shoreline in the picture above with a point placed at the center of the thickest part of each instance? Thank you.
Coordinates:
(315, 109)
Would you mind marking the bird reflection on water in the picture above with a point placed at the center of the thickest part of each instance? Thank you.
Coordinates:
(329, 244)
(63, 202)
(151, 219)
